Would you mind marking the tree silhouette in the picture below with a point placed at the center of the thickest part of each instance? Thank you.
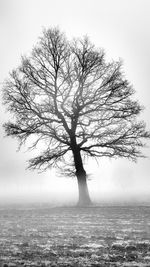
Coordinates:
(75, 104)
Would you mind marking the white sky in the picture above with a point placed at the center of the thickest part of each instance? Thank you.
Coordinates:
(121, 27)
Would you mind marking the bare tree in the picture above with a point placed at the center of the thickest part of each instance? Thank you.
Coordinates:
(68, 97)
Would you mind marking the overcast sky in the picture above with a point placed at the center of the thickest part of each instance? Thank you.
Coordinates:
(122, 28)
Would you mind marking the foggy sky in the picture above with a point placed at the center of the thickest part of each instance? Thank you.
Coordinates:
(122, 29)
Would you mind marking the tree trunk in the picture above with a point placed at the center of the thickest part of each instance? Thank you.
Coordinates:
(84, 198)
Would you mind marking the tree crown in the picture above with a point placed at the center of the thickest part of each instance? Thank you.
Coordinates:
(66, 95)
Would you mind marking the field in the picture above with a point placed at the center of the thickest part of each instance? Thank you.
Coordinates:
(96, 236)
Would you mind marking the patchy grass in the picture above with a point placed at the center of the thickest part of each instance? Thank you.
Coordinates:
(96, 236)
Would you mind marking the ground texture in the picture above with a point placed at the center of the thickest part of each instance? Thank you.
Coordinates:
(96, 236)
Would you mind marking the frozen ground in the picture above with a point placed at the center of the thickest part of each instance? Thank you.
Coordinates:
(98, 236)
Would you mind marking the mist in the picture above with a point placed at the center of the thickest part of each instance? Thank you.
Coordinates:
(112, 183)
(122, 29)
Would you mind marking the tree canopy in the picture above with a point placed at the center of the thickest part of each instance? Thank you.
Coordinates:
(67, 96)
